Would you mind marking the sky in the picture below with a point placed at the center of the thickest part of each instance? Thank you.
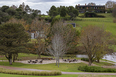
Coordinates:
(44, 5)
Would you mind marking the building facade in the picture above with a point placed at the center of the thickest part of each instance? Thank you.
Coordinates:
(90, 8)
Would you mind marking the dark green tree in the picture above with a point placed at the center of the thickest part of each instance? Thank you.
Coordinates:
(63, 11)
(13, 39)
(11, 11)
(76, 12)
(4, 8)
(27, 9)
(53, 11)
(3, 17)
(72, 12)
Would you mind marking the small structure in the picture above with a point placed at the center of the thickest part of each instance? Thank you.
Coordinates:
(73, 24)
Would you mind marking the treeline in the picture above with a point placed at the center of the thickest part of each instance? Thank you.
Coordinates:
(21, 12)
(63, 11)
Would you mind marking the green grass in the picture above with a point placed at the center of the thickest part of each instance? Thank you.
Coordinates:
(107, 22)
(67, 67)
(32, 40)
(10, 75)
(103, 64)
(25, 56)
(107, 61)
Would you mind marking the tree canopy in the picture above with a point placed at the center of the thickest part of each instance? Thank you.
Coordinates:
(95, 42)
(12, 39)
(63, 11)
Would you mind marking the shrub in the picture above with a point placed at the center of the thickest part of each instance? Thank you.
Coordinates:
(85, 59)
(114, 20)
(35, 73)
(95, 69)
(89, 14)
(92, 14)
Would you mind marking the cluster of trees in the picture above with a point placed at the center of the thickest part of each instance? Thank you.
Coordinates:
(63, 11)
(56, 39)
(21, 12)
(110, 7)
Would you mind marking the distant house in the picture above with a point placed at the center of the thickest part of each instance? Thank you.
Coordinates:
(34, 34)
(90, 8)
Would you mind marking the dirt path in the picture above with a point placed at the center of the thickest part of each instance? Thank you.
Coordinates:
(16, 68)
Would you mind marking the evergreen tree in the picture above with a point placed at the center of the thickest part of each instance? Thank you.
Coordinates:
(63, 12)
(12, 39)
(53, 11)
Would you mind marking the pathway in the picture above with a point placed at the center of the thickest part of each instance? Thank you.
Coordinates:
(16, 68)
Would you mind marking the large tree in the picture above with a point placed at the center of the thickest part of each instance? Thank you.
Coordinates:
(53, 11)
(41, 30)
(12, 39)
(63, 11)
(95, 42)
(62, 37)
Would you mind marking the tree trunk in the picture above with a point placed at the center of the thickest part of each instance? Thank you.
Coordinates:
(39, 56)
(58, 61)
(15, 57)
(10, 59)
(98, 60)
(90, 62)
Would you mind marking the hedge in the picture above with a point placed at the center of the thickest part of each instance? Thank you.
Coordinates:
(95, 69)
(35, 73)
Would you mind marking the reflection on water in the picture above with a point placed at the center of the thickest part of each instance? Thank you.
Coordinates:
(82, 56)
(107, 57)
(110, 57)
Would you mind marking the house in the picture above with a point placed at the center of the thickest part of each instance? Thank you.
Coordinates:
(90, 8)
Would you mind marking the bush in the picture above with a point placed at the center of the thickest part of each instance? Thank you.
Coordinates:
(87, 14)
(95, 69)
(92, 14)
(114, 20)
(85, 59)
(35, 73)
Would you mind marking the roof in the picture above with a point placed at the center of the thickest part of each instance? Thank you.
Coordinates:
(91, 5)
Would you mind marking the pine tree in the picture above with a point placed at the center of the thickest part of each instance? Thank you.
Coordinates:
(12, 39)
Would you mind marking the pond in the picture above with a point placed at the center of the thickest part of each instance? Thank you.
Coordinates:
(110, 57)
(107, 57)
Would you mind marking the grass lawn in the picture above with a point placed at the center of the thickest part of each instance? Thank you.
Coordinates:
(107, 22)
(25, 56)
(10, 75)
(103, 64)
(67, 67)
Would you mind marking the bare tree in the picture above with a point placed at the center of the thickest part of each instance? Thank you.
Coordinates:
(58, 47)
(110, 5)
(114, 11)
(62, 39)
(95, 42)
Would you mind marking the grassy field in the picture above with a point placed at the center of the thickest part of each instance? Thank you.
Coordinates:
(67, 67)
(103, 64)
(10, 75)
(106, 22)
